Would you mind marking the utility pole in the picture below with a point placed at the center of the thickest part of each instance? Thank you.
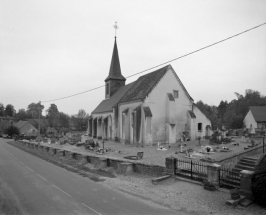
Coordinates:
(39, 126)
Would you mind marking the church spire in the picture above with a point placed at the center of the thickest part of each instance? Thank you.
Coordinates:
(115, 79)
(115, 70)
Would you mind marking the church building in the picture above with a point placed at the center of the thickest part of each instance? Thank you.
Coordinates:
(154, 108)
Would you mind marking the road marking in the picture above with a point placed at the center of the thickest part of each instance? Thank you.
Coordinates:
(91, 209)
(30, 169)
(41, 177)
(21, 163)
(62, 191)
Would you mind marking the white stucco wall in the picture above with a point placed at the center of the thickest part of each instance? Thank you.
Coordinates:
(110, 116)
(128, 120)
(200, 118)
(157, 101)
(249, 120)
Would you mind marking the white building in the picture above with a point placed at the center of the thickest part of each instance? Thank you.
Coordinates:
(155, 107)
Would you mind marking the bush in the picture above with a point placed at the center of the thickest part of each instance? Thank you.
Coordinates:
(259, 188)
(12, 130)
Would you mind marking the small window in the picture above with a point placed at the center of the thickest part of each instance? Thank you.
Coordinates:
(175, 92)
(199, 126)
(107, 89)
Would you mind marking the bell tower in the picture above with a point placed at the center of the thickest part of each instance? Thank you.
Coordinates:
(115, 79)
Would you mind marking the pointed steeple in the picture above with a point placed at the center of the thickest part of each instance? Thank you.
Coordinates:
(115, 70)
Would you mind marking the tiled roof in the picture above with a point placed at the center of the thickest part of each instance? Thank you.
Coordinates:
(21, 123)
(115, 70)
(144, 85)
(192, 114)
(259, 113)
(108, 104)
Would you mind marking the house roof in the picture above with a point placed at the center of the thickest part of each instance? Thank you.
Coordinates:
(136, 91)
(192, 114)
(115, 70)
(144, 85)
(6, 118)
(259, 113)
(108, 104)
(20, 124)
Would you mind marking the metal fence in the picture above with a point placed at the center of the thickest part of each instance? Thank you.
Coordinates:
(229, 178)
(189, 169)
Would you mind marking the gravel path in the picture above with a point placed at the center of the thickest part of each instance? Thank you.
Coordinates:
(181, 196)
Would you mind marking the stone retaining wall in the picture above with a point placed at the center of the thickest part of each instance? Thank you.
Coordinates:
(231, 161)
(152, 170)
(260, 165)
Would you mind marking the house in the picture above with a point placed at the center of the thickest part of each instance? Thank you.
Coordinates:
(5, 122)
(25, 128)
(256, 117)
(154, 108)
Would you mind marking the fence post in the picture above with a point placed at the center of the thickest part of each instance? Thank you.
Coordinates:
(191, 170)
(263, 145)
(246, 177)
(213, 174)
(175, 160)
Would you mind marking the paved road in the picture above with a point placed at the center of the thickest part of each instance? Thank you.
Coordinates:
(43, 188)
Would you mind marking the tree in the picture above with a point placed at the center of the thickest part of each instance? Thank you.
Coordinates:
(81, 114)
(12, 130)
(222, 109)
(53, 116)
(64, 121)
(9, 110)
(21, 114)
(238, 108)
(210, 112)
(2, 109)
(34, 110)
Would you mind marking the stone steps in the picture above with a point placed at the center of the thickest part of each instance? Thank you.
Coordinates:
(244, 167)
(233, 178)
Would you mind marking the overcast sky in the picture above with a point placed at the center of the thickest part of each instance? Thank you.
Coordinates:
(55, 48)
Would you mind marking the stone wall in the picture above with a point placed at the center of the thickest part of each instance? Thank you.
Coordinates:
(261, 164)
(151, 170)
(231, 161)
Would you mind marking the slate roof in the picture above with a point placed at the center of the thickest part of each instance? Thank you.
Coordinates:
(20, 124)
(259, 113)
(144, 85)
(115, 70)
(108, 104)
(192, 114)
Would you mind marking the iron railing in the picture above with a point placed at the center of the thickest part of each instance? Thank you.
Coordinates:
(189, 169)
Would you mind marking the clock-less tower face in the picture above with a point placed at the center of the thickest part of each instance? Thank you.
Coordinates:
(112, 86)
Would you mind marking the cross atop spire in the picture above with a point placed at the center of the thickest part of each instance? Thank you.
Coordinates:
(115, 70)
(115, 27)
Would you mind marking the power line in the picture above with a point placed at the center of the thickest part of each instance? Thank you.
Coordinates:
(228, 38)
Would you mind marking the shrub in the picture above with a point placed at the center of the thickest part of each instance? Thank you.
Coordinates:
(259, 188)
(12, 130)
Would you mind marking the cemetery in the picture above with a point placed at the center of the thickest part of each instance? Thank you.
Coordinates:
(216, 163)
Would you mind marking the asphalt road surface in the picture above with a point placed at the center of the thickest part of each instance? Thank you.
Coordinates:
(39, 187)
